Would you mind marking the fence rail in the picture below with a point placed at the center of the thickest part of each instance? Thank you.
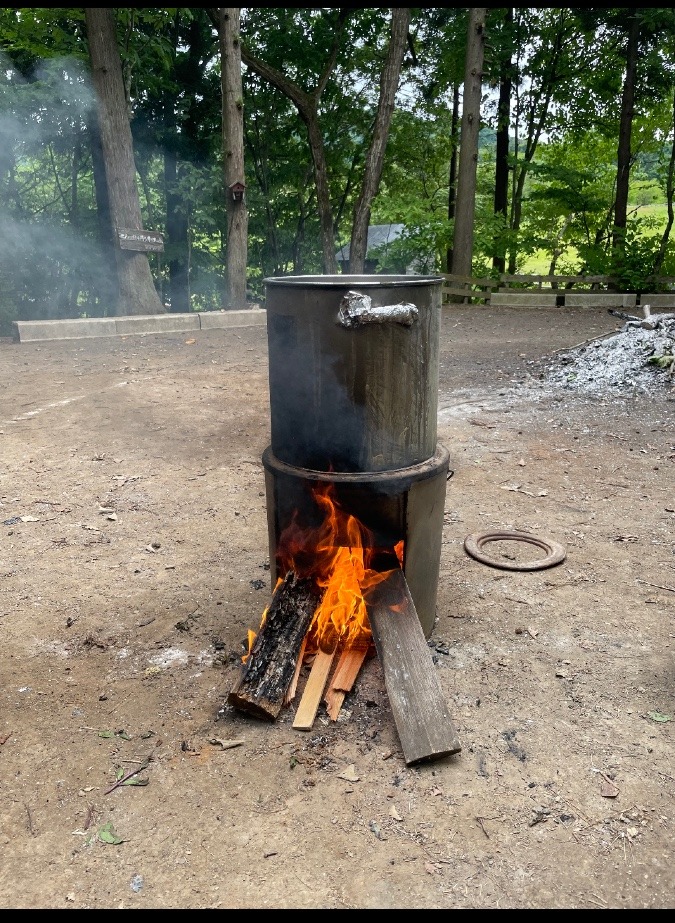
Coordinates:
(467, 289)
(554, 291)
(555, 283)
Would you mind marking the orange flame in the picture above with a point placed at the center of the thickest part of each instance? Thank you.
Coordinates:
(338, 554)
(252, 634)
(251, 638)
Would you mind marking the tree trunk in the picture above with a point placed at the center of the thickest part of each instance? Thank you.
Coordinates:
(558, 244)
(71, 298)
(74, 174)
(670, 186)
(311, 120)
(537, 116)
(501, 201)
(177, 238)
(462, 244)
(108, 282)
(137, 293)
(400, 20)
(299, 236)
(623, 159)
(233, 156)
(452, 176)
(262, 175)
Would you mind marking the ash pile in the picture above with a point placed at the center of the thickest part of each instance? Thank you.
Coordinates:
(637, 359)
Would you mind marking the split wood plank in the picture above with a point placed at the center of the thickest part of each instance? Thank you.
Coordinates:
(293, 688)
(267, 674)
(311, 697)
(349, 664)
(418, 705)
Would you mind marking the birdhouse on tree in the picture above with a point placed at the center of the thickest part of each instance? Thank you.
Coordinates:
(237, 191)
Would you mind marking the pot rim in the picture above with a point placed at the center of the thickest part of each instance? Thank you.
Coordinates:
(345, 280)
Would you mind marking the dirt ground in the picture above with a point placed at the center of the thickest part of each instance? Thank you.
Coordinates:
(134, 557)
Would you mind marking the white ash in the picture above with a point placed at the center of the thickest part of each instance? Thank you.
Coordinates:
(618, 363)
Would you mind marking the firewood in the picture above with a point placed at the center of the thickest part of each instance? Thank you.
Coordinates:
(292, 689)
(311, 697)
(342, 681)
(268, 672)
(418, 705)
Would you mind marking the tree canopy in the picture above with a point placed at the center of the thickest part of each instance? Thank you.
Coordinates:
(582, 179)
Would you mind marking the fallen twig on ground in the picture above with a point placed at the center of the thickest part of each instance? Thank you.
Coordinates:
(31, 829)
(658, 586)
(134, 772)
(601, 336)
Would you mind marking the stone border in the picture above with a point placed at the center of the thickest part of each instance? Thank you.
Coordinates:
(33, 331)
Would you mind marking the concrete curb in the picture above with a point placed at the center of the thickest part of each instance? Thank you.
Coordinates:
(33, 331)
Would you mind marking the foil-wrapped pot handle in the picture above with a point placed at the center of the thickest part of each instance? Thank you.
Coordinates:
(356, 310)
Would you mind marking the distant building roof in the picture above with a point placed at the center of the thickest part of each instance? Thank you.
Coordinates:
(378, 236)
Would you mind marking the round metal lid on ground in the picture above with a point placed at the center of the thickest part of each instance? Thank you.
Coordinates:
(474, 543)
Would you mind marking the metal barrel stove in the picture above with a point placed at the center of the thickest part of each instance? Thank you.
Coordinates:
(353, 383)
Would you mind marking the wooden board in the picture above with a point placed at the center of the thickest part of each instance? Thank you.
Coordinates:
(418, 704)
(290, 694)
(311, 697)
(143, 241)
(343, 679)
(268, 672)
(467, 287)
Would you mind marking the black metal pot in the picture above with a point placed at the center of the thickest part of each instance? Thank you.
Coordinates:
(353, 370)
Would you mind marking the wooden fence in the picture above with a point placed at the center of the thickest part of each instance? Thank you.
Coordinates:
(467, 289)
(542, 291)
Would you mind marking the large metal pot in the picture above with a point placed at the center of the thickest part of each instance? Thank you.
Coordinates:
(353, 370)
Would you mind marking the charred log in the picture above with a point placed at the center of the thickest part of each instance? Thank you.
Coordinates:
(266, 676)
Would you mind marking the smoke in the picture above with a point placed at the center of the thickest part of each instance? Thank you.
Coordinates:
(51, 263)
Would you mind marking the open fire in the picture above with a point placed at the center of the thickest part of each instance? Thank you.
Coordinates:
(340, 596)
(340, 557)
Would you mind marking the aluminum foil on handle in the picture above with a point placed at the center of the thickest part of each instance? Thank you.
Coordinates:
(356, 310)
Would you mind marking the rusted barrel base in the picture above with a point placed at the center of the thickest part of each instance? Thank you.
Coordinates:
(406, 503)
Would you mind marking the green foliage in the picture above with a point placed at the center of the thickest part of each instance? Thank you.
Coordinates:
(635, 270)
(420, 249)
(567, 117)
(414, 191)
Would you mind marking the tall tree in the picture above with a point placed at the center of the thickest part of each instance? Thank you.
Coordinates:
(233, 156)
(452, 171)
(435, 75)
(545, 41)
(176, 127)
(108, 281)
(633, 50)
(307, 104)
(400, 20)
(181, 141)
(137, 293)
(462, 245)
(670, 189)
(501, 197)
(624, 157)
